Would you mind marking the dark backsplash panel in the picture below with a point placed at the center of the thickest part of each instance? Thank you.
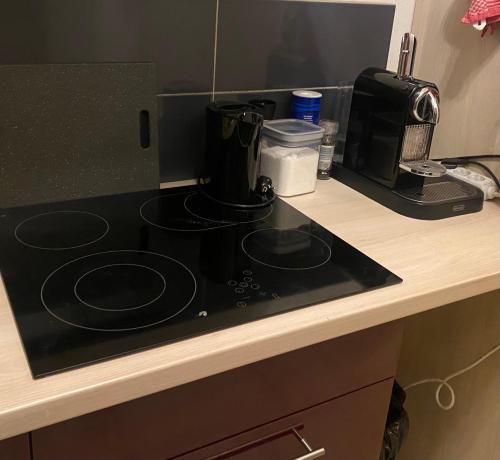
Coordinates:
(187, 113)
(280, 44)
(261, 45)
(182, 135)
(178, 35)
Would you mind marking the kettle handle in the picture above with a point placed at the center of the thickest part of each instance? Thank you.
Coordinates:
(254, 133)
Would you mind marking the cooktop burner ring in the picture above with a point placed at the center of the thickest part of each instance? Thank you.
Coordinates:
(178, 310)
(164, 283)
(324, 258)
(94, 239)
(177, 229)
(226, 222)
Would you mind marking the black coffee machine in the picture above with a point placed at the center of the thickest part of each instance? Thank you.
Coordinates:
(389, 135)
(231, 170)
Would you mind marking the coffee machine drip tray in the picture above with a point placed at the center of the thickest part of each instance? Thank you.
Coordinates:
(438, 197)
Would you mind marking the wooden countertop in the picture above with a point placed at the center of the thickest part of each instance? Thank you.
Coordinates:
(439, 261)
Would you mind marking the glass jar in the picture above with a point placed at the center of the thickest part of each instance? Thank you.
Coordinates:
(327, 148)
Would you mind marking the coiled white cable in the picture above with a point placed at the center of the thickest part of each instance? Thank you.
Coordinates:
(443, 383)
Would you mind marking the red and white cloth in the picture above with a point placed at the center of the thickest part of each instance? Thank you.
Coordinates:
(483, 11)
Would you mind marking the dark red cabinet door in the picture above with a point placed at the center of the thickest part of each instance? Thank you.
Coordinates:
(16, 448)
(189, 417)
(347, 428)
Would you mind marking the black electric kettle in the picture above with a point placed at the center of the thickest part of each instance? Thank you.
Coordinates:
(231, 170)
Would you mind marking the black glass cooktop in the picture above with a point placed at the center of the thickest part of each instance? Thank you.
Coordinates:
(96, 278)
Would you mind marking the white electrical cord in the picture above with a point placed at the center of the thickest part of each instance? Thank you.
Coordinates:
(443, 383)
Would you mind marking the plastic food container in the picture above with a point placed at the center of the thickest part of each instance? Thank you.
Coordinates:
(290, 154)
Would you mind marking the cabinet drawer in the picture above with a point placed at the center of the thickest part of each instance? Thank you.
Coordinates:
(16, 448)
(347, 428)
(190, 416)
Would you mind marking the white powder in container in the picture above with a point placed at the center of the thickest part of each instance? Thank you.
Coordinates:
(290, 155)
(291, 169)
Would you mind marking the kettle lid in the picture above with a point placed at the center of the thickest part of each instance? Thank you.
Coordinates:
(241, 111)
(231, 107)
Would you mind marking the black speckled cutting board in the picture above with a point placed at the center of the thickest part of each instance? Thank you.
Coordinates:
(74, 130)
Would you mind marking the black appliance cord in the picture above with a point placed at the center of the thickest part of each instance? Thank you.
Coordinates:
(473, 157)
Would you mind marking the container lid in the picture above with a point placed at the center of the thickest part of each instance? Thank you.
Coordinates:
(307, 94)
(291, 130)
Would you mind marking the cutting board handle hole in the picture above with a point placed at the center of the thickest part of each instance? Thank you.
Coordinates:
(144, 136)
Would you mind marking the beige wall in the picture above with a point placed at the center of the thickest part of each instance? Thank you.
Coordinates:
(435, 344)
(466, 68)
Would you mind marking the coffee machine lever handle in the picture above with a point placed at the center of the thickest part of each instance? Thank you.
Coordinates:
(407, 56)
(426, 96)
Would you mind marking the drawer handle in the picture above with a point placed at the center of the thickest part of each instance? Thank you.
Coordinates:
(311, 454)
